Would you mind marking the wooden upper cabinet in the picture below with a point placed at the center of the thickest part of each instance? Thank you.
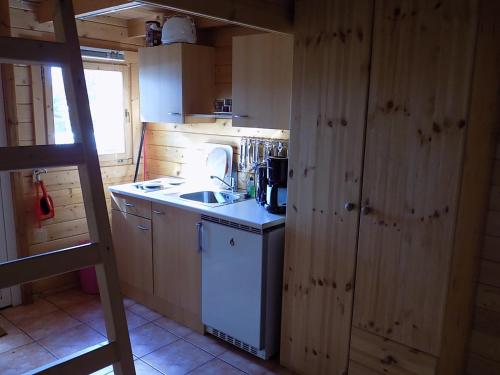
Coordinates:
(416, 128)
(177, 264)
(176, 80)
(262, 80)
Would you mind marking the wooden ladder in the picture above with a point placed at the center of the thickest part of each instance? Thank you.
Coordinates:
(65, 52)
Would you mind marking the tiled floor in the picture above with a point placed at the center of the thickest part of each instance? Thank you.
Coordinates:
(67, 322)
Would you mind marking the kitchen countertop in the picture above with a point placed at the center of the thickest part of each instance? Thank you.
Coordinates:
(246, 212)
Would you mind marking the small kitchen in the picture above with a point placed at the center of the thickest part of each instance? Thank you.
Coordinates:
(292, 187)
(195, 207)
(202, 243)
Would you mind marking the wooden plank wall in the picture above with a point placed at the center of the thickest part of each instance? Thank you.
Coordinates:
(484, 344)
(167, 144)
(69, 227)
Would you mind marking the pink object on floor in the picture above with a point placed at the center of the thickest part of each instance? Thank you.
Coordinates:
(88, 280)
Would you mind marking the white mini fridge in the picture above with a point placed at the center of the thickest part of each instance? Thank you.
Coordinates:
(242, 272)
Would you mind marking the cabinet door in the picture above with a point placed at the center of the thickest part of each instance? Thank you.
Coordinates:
(262, 80)
(160, 83)
(421, 74)
(177, 263)
(325, 173)
(134, 255)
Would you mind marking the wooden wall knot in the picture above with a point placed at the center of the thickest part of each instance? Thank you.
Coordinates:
(388, 360)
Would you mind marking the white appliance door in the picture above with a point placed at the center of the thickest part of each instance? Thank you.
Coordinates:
(232, 282)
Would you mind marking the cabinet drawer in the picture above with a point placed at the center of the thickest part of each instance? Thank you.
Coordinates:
(130, 205)
(381, 356)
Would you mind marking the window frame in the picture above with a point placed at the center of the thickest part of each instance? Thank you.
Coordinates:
(96, 64)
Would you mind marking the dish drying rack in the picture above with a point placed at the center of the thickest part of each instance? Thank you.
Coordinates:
(255, 151)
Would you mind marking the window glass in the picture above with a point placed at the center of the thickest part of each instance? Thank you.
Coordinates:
(105, 90)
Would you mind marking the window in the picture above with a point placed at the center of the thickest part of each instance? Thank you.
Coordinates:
(107, 87)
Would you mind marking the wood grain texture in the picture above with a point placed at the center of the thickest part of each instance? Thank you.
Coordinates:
(67, 228)
(262, 80)
(177, 264)
(478, 160)
(133, 248)
(388, 357)
(417, 118)
(330, 90)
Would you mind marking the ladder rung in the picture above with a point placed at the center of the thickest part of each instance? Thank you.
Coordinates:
(84, 362)
(44, 265)
(31, 157)
(27, 51)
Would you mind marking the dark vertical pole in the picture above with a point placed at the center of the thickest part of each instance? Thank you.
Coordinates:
(141, 144)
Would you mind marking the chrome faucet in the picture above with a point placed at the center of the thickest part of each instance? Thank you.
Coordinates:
(229, 187)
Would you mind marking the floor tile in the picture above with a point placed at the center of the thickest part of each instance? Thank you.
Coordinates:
(85, 312)
(72, 341)
(248, 363)
(177, 358)
(216, 367)
(70, 297)
(141, 368)
(174, 327)
(127, 302)
(144, 312)
(133, 321)
(208, 343)
(24, 358)
(14, 337)
(34, 310)
(49, 324)
(148, 338)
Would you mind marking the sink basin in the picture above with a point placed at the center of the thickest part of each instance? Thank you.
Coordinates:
(212, 197)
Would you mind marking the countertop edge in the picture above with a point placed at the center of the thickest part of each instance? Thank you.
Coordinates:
(209, 211)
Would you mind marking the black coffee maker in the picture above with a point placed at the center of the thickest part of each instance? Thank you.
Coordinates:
(271, 181)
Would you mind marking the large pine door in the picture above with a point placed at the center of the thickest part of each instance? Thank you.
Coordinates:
(331, 68)
(419, 94)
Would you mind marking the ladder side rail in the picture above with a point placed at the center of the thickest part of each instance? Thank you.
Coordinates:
(92, 186)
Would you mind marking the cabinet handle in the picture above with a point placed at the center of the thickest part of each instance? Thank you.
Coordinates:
(240, 116)
(349, 206)
(199, 227)
(173, 113)
(158, 212)
(142, 227)
(129, 204)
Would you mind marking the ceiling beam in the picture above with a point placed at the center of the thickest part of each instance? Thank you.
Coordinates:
(85, 8)
(258, 14)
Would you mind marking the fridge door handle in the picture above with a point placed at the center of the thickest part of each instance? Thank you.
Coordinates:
(199, 227)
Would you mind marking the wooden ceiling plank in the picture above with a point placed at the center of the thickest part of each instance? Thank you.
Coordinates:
(46, 9)
(257, 14)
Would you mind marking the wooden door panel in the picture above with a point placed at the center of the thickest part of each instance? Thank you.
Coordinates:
(132, 243)
(177, 263)
(331, 67)
(419, 94)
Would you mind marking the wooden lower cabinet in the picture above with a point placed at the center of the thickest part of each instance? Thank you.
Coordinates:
(177, 264)
(134, 255)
